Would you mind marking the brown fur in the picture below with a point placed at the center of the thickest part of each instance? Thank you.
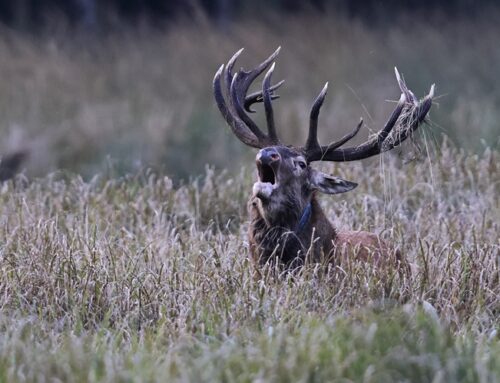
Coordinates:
(277, 241)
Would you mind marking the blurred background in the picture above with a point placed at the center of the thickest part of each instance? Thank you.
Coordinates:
(88, 85)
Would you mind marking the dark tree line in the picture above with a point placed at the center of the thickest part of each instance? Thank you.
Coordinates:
(34, 14)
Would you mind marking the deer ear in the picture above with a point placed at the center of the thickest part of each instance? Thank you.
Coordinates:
(330, 184)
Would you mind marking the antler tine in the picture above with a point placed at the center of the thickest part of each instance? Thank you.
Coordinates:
(346, 138)
(312, 139)
(236, 91)
(241, 81)
(228, 74)
(367, 149)
(256, 97)
(250, 76)
(410, 97)
(267, 98)
(237, 126)
(233, 100)
(265, 64)
(413, 120)
(382, 135)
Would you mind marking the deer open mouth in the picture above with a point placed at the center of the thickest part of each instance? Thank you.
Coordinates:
(267, 183)
(266, 174)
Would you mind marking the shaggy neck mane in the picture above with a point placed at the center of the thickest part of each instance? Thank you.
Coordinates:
(276, 235)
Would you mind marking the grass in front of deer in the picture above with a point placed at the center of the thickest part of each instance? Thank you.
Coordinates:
(370, 345)
(135, 279)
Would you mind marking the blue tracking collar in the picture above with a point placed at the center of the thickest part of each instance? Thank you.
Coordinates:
(306, 216)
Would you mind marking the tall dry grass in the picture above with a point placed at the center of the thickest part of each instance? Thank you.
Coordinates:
(134, 279)
(143, 96)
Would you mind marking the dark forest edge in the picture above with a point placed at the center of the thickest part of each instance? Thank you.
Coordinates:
(95, 16)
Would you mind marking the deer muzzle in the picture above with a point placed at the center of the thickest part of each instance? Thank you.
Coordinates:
(267, 161)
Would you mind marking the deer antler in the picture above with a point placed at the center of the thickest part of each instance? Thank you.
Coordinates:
(237, 86)
(408, 115)
(415, 113)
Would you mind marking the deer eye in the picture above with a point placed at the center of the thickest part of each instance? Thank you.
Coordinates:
(302, 164)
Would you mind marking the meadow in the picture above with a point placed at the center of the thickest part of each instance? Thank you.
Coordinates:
(134, 279)
(124, 258)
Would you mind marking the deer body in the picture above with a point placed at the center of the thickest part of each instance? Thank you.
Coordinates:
(280, 240)
(287, 222)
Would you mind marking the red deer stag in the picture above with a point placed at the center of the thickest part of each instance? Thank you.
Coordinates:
(287, 222)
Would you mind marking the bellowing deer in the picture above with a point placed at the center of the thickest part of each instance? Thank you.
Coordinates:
(287, 222)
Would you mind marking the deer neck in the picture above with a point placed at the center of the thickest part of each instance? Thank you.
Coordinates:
(305, 218)
(289, 235)
(301, 222)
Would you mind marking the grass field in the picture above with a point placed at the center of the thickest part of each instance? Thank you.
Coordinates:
(134, 279)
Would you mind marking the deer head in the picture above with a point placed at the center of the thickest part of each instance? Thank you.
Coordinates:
(286, 181)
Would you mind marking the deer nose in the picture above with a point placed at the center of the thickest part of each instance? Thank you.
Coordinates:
(267, 156)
